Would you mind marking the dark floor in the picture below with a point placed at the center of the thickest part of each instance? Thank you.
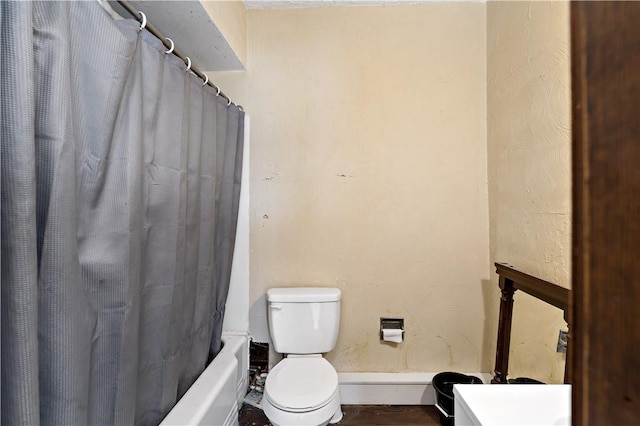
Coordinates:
(362, 415)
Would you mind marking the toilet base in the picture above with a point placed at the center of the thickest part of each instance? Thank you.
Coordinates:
(330, 413)
(336, 417)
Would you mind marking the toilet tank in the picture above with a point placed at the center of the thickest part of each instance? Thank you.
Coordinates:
(304, 320)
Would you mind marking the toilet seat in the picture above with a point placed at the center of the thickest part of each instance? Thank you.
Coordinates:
(301, 383)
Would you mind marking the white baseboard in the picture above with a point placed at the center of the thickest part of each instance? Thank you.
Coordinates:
(390, 388)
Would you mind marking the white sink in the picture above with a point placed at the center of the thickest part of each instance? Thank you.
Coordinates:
(512, 405)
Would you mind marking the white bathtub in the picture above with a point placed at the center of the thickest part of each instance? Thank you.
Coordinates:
(216, 396)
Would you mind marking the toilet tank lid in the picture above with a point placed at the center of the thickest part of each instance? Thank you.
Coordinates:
(304, 294)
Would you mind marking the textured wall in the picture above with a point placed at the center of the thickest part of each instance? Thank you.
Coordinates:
(369, 173)
(529, 135)
(230, 17)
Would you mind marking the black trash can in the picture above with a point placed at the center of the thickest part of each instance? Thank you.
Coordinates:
(525, 381)
(443, 385)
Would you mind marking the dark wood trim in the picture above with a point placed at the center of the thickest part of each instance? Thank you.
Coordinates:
(579, 179)
(504, 330)
(511, 280)
(548, 292)
(605, 337)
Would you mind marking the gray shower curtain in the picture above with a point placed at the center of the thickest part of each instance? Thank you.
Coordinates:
(120, 180)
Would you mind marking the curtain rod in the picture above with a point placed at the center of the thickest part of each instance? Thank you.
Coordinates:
(170, 45)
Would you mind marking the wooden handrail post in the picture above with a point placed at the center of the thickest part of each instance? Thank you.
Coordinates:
(510, 281)
(504, 331)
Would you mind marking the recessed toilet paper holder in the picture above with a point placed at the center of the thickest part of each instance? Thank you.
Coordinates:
(391, 323)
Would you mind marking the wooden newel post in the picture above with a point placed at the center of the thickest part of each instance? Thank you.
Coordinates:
(504, 331)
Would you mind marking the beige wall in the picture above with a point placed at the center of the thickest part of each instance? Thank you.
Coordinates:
(369, 173)
(230, 17)
(529, 134)
(233, 83)
(402, 232)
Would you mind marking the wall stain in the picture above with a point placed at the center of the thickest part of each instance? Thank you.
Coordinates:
(352, 353)
(272, 177)
(405, 362)
(449, 349)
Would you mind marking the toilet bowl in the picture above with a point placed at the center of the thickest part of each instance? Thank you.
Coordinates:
(302, 390)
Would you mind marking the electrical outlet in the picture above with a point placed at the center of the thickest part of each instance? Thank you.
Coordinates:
(562, 341)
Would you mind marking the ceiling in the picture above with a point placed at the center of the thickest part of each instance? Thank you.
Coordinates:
(191, 29)
(290, 4)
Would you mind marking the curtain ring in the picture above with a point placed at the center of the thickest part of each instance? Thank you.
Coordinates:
(218, 92)
(229, 103)
(188, 64)
(144, 20)
(172, 46)
(206, 79)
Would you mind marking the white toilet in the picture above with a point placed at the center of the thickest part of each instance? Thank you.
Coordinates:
(302, 389)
